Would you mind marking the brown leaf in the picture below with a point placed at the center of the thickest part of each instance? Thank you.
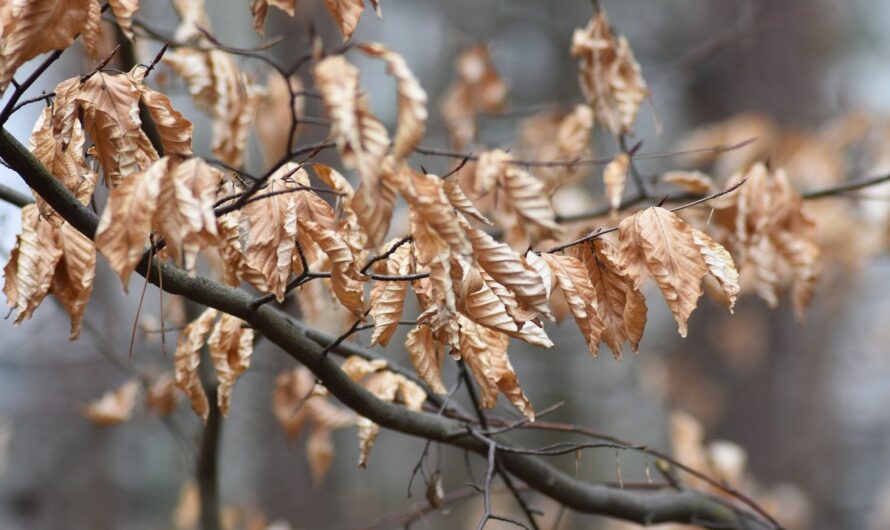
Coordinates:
(274, 113)
(187, 358)
(426, 196)
(479, 88)
(74, 275)
(388, 298)
(461, 202)
(720, 265)
(479, 302)
(34, 27)
(123, 13)
(344, 276)
(127, 218)
(504, 374)
(259, 8)
(426, 354)
(231, 346)
(110, 105)
(609, 75)
(185, 209)
(28, 274)
(620, 306)
(657, 243)
(691, 181)
(162, 396)
(525, 195)
(92, 29)
(614, 178)
(412, 100)
(362, 140)
(574, 282)
(268, 230)
(113, 407)
(174, 130)
(346, 14)
(507, 268)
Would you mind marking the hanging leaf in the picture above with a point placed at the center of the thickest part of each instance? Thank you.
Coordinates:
(231, 346)
(412, 100)
(657, 243)
(113, 407)
(609, 75)
(187, 358)
(426, 354)
(346, 14)
(614, 178)
(574, 282)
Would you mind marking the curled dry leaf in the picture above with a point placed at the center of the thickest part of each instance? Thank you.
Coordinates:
(110, 107)
(691, 181)
(620, 305)
(28, 275)
(346, 14)
(426, 355)
(295, 402)
(67, 165)
(412, 100)
(657, 243)
(526, 197)
(187, 358)
(221, 91)
(174, 130)
(260, 8)
(162, 396)
(267, 233)
(720, 265)
(479, 88)
(345, 279)
(74, 274)
(765, 225)
(386, 386)
(35, 27)
(272, 128)
(123, 11)
(362, 140)
(580, 295)
(614, 178)
(230, 345)
(388, 298)
(609, 75)
(113, 407)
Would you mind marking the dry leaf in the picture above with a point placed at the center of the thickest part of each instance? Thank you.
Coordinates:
(412, 100)
(657, 243)
(113, 407)
(187, 358)
(426, 354)
(614, 178)
(231, 346)
(691, 181)
(123, 13)
(621, 307)
(259, 9)
(609, 75)
(574, 282)
(362, 140)
(478, 88)
(174, 130)
(267, 234)
(74, 275)
(162, 396)
(28, 274)
(388, 297)
(272, 129)
(346, 14)
(30, 28)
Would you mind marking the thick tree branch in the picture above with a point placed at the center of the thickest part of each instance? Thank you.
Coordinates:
(641, 506)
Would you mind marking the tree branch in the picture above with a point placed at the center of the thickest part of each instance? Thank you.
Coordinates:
(641, 506)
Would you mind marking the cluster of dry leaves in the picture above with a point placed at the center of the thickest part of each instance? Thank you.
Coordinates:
(475, 292)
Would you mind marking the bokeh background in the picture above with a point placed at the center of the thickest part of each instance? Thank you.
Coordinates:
(805, 402)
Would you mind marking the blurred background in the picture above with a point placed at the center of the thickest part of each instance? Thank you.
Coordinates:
(804, 403)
